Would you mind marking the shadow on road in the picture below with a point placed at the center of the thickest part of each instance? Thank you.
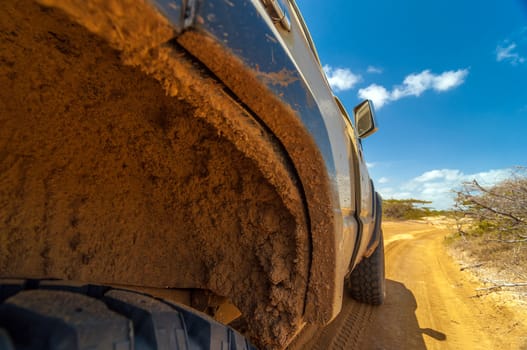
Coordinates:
(394, 325)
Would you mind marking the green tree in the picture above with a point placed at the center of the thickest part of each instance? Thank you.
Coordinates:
(405, 209)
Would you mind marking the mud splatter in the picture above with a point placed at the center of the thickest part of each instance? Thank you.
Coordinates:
(281, 78)
(106, 175)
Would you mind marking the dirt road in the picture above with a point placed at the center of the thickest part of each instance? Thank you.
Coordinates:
(430, 304)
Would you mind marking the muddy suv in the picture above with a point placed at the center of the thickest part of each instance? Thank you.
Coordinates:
(168, 167)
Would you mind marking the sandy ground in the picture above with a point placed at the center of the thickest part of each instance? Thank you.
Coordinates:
(430, 303)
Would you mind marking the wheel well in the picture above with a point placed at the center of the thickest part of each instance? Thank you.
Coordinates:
(106, 178)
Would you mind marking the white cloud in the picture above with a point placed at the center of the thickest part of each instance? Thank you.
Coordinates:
(414, 85)
(449, 80)
(383, 180)
(341, 79)
(378, 94)
(374, 70)
(507, 53)
(390, 193)
(438, 185)
(446, 174)
(370, 165)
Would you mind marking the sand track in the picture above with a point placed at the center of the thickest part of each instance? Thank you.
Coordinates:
(430, 304)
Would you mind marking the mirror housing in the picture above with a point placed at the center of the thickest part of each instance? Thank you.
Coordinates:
(365, 119)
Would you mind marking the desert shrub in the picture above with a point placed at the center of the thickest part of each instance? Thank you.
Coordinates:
(499, 211)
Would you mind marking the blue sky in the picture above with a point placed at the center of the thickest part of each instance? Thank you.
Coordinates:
(449, 82)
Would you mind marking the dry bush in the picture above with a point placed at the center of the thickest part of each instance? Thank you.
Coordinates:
(499, 211)
(493, 224)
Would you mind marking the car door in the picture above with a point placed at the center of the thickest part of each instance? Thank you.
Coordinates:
(364, 196)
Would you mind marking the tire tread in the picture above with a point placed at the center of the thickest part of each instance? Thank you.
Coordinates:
(367, 282)
(65, 314)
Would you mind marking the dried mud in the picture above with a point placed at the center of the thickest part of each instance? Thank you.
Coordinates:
(324, 295)
(104, 177)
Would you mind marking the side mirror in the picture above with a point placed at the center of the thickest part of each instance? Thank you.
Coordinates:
(365, 119)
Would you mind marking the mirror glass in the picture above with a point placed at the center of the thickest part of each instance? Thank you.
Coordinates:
(364, 119)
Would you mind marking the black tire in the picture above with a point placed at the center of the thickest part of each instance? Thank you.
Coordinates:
(61, 315)
(367, 282)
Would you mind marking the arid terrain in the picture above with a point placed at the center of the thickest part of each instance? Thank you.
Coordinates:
(430, 304)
